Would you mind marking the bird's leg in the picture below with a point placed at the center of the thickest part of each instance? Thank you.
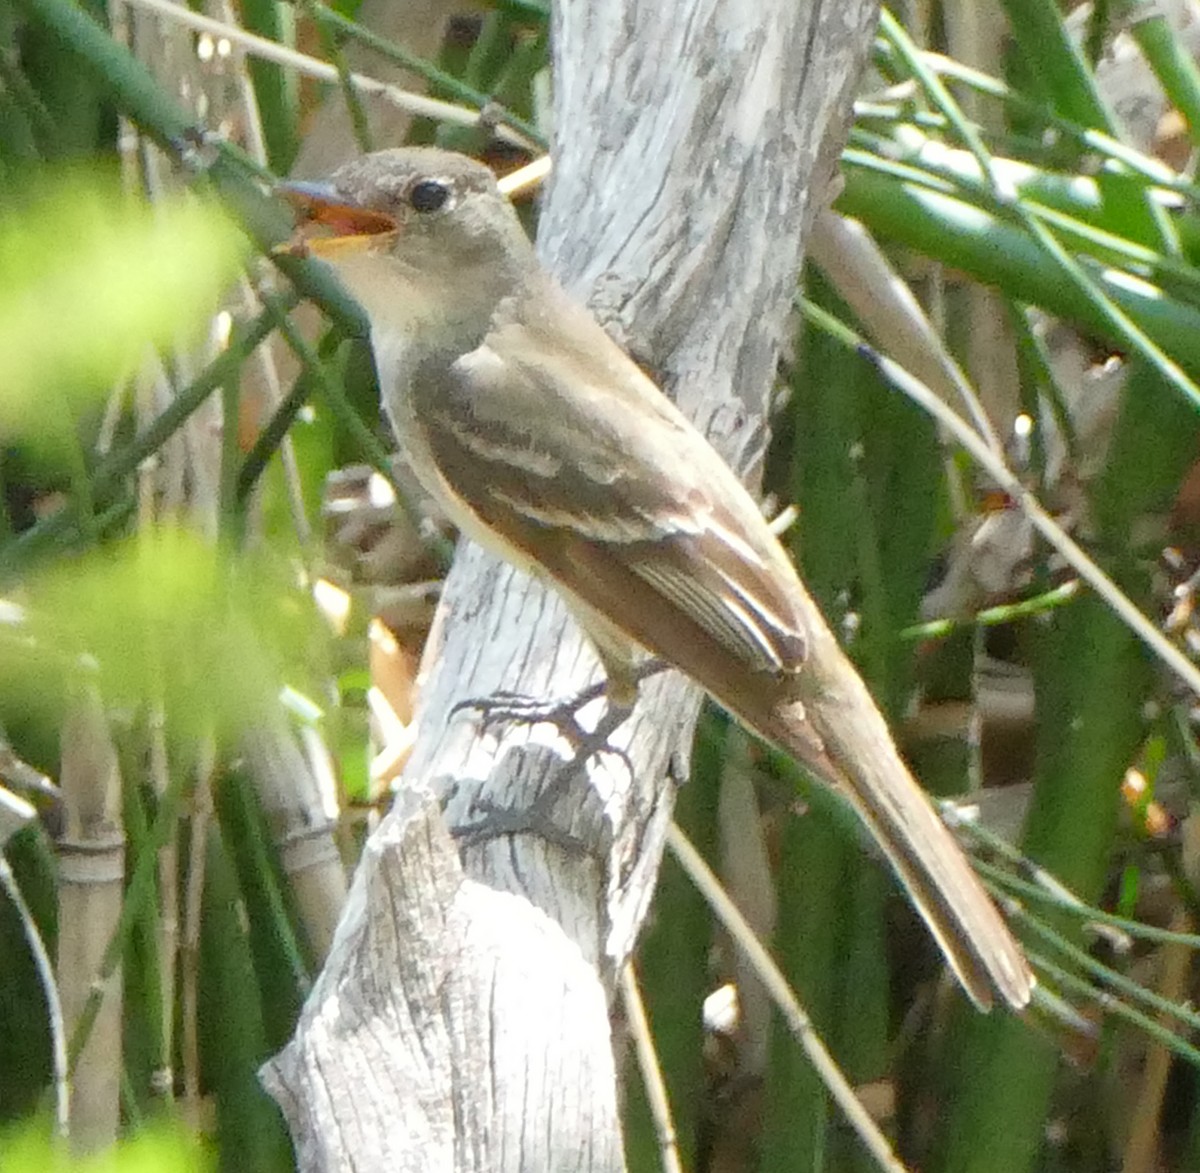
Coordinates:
(539, 818)
(619, 688)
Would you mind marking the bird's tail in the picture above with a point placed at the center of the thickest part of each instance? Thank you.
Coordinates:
(830, 724)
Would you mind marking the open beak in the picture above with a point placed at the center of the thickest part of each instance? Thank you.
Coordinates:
(327, 223)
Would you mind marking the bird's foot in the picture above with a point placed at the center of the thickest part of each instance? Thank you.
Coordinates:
(540, 818)
(502, 708)
(496, 822)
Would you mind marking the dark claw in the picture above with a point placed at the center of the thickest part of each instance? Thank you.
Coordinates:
(497, 821)
(502, 707)
(505, 707)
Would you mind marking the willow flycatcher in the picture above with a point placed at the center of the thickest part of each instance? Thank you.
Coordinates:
(542, 440)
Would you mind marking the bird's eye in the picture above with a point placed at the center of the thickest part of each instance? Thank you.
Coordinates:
(428, 195)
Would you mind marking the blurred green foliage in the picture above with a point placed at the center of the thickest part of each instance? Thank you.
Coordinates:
(165, 619)
(157, 1149)
(92, 280)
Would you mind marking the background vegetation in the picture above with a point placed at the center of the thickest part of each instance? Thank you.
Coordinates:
(186, 635)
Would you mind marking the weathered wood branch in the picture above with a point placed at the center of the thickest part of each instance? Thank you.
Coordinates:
(461, 1021)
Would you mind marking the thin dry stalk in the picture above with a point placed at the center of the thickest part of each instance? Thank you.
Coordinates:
(91, 860)
(796, 1019)
(266, 50)
(167, 932)
(298, 793)
(652, 1076)
(193, 910)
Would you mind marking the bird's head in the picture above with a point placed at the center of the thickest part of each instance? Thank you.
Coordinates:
(410, 217)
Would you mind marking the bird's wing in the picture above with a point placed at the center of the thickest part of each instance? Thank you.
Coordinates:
(602, 484)
(577, 460)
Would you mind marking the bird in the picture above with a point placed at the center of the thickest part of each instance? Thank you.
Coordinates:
(541, 439)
